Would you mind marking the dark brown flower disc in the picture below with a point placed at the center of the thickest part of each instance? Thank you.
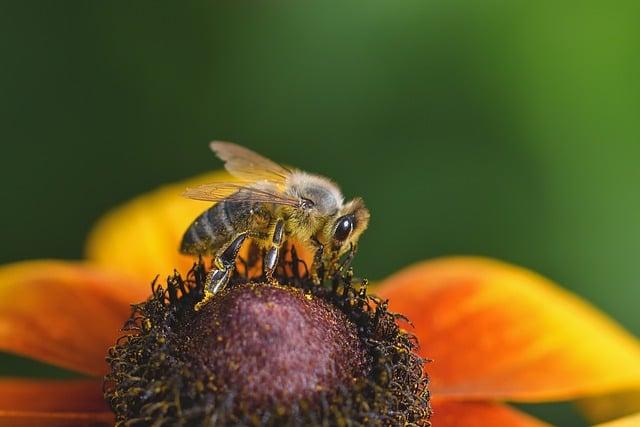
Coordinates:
(291, 353)
(273, 343)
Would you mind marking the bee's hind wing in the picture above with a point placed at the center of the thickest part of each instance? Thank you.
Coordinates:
(249, 165)
(235, 192)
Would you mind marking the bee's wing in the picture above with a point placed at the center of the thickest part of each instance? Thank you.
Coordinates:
(249, 165)
(234, 192)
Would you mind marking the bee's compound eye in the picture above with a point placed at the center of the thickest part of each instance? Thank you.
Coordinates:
(344, 227)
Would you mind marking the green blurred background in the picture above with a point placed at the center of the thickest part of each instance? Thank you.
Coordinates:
(505, 129)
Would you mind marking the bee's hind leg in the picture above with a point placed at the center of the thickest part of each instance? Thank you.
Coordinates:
(219, 276)
(273, 253)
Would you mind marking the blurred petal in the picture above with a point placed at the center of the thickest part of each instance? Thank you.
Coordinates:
(67, 419)
(65, 314)
(630, 421)
(451, 413)
(604, 408)
(21, 395)
(142, 237)
(496, 331)
(53, 403)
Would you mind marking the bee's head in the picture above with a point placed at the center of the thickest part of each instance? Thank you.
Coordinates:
(349, 223)
(332, 222)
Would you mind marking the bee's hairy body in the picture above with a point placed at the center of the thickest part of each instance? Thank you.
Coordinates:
(219, 225)
(276, 205)
(223, 222)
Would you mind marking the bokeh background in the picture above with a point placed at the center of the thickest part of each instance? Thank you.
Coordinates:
(505, 129)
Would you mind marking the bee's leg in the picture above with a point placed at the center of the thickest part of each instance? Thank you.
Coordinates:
(350, 255)
(273, 253)
(345, 263)
(317, 262)
(219, 276)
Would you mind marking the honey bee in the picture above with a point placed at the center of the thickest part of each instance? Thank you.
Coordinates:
(270, 204)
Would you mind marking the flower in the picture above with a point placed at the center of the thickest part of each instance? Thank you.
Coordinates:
(495, 333)
(628, 421)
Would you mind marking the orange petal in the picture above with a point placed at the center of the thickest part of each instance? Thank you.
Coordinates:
(53, 403)
(21, 395)
(630, 421)
(69, 419)
(142, 237)
(62, 313)
(495, 331)
(452, 413)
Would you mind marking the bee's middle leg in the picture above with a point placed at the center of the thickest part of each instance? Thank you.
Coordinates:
(273, 253)
(317, 268)
(219, 276)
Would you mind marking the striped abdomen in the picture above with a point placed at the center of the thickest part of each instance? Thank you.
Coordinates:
(219, 225)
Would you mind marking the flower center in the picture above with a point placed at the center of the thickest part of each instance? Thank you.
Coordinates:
(266, 354)
(272, 343)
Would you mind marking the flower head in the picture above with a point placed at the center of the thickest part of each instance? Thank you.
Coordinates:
(283, 353)
(494, 332)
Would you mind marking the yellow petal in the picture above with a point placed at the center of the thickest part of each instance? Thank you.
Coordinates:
(604, 408)
(495, 331)
(452, 413)
(630, 421)
(65, 314)
(142, 237)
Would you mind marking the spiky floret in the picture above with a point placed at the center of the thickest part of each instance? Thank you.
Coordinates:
(266, 354)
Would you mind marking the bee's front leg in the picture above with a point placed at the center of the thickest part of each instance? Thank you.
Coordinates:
(220, 274)
(340, 266)
(273, 253)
